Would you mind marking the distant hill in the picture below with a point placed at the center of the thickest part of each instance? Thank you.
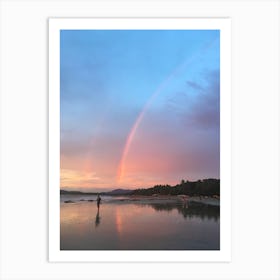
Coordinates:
(113, 192)
(120, 192)
(76, 192)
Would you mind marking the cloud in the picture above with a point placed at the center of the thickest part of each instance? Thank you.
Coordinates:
(205, 112)
(70, 178)
(180, 139)
(194, 85)
(200, 107)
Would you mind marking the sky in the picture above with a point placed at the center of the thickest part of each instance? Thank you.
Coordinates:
(138, 107)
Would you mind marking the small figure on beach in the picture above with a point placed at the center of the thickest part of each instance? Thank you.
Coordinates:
(98, 200)
(185, 200)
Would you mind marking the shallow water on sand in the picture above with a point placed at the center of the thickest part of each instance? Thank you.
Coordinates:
(139, 226)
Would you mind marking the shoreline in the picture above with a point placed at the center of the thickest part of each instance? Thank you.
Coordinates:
(170, 198)
(154, 199)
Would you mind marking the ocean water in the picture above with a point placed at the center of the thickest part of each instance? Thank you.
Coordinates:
(127, 225)
(81, 198)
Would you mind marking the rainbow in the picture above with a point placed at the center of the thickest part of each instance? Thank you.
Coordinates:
(133, 130)
(140, 117)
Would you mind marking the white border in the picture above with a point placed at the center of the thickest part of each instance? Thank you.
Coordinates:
(55, 25)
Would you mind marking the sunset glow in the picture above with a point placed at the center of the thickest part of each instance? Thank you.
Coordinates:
(138, 108)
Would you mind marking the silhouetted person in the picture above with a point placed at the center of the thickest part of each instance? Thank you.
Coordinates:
(98, 200)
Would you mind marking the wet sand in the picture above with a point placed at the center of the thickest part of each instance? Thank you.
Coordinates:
(141, 199)
(139, 223)
(172, 198)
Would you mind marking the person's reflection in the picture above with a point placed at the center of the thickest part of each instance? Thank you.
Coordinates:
(185, 204)
(97, 218)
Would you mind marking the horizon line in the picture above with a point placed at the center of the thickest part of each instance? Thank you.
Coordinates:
(78, 188)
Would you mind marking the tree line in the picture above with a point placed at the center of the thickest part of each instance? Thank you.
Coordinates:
(206, 187)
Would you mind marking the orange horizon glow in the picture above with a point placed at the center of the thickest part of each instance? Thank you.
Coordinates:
(138, 108)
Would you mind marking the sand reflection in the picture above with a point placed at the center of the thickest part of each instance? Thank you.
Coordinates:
(130, 226)
(119, 221)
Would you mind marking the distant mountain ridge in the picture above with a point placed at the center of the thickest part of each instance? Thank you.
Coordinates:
(113, 192)
(120, 192)
(206, 187)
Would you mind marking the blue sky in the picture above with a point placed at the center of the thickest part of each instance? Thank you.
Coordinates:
(109, 78)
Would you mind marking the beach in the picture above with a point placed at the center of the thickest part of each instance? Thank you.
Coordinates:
(147, 199)
(139, 223)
